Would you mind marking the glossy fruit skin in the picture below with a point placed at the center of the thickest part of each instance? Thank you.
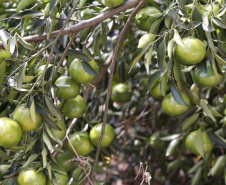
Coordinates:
(171, 107)
(208, 79)
(108, 136)
(120, 93)
(190, 143)
(155, 90)
(22, 116)
(30, 176)
(143, 20)
(10, 132)
(112, 3)
(78, 74)
(81, 143)
(58, 179)
(67, 92)
(155, 142)
(74, 108)
(191, 53)
(57, 133)
(64, 160)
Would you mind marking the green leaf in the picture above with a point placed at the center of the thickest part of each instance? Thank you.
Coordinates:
(148, 58)
(218, 166)
(5, 156)
(23, 4)
(219, 59)
(88, 68)
(199, 142)
(25, 43)
(164, 84)
(177, 38)
(53, 4)
(78, 55)
(218, 22)
(206, 110)
(53, 109)
(177, 95)
(137, 56)
(145, 40)
(30, 160)
(50, 122)
(4, 168)
(198, 7)
(170, 48)
(30, 146)
(188, 122)
(161, 54)
(20, 76)
(217, 139)
(176, 73)
(173, 146)
(44, 157)
(32, 112)
(2, 73)
(198, 175)
(4, 36)
(210, 41)
(38, 23)
(49, 169)
(47, 141)
(196, 167)
(53, 137)
(152, 79)
(155, 26)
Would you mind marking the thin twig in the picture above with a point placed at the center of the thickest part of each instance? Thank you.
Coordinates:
(83, 167)
(117, 47)
(63, 55)
(83, 24)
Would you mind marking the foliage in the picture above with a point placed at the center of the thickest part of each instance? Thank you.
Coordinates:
(43, 41)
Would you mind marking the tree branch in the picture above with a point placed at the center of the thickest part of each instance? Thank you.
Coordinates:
(83, 24)
(117, 47)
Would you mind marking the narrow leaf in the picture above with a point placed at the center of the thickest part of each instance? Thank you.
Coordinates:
(206, 110)
(88, 68)
(53, 109)
(164, 84)
(188, 122)
(177, 38)
(145, 40)
(217, 139)
(177, 95)
(152, 79)
(199, 142)
(30, 160)
(44, 157)
(148, 58)
(161, 54)
(50, 122)
(47, 141)
(78, 55)
(30, 146)
(32, 112)
(170, 48)
(5, 156)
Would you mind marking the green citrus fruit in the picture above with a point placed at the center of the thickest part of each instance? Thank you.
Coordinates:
(79, 74)
(108, 136)
(65, 160)
(171, 107)
(191, 53)
(143, 18)
(208, 78)
(81, 143)
(74, 108)
(112, 3)
(155, 89)
(22, 116)
(71, 89)
(120, 93)
(59, 133)
(190, 143)
(58, 179)
(155, 142)
(30, 176)
(10, 133)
